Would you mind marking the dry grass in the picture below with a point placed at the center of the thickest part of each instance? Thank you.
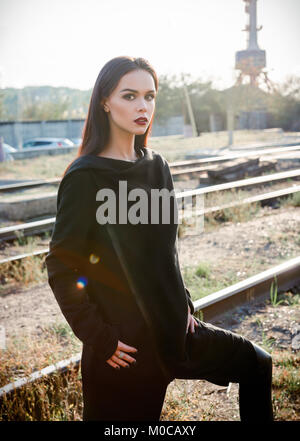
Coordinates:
(30, 352)
(24, 271)
(286, 385)
(56, 398)
(43, 167)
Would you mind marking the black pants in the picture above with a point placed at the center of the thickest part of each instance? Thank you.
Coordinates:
(138, 393)
(226, 357)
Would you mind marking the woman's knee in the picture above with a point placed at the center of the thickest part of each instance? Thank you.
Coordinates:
(264, 360)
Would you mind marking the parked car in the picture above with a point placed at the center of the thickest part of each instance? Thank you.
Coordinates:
(8, 149)
(77, 141)
(48, 142)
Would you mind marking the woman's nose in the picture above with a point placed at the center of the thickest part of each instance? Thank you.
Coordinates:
(142, 105)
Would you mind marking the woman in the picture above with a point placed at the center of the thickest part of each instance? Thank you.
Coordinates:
(114, 270)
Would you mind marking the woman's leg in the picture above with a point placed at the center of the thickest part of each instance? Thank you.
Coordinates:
(220, 357)
(255, 396)
(129, 394)
(137, 401)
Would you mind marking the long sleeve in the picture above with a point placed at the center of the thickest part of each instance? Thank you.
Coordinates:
(67, 263)
(170, 186)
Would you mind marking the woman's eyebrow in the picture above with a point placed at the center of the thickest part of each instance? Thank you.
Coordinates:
(132, 90)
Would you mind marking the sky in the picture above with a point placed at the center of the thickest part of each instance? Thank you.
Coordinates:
(67, 42)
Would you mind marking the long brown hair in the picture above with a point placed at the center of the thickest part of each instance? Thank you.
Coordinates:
(96, 129)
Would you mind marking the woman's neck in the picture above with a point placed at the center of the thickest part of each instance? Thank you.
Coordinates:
(121, 147)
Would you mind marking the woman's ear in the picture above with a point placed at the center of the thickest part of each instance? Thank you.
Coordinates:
(104, 105)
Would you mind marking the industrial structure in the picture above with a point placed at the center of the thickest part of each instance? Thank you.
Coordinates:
(251, 61)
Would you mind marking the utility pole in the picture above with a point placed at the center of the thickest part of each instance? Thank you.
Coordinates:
(230, 125)
(190, 110)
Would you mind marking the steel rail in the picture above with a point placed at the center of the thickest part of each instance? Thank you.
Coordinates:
(240, 183)
(213, 306)
(221, 158)
(25, 229)
(30, 184)
(24, 256)
(262, 197)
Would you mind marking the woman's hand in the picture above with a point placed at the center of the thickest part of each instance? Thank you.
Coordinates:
(191, 323)
(120, 357)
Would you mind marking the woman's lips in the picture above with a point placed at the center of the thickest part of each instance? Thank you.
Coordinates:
(141, 122)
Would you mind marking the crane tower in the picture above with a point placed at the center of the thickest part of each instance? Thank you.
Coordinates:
(252, 60)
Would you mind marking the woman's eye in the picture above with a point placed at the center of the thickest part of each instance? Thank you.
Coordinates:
(128, 95)
(131, 95)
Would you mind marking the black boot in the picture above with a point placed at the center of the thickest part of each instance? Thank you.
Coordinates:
(255, 396)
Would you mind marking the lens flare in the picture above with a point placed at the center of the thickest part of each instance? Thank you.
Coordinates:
(94, 259)
(81, 282)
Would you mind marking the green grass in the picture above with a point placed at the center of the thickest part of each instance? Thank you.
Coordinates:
(201, 280)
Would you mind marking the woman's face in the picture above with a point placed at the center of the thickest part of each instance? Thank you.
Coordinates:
(134, 97)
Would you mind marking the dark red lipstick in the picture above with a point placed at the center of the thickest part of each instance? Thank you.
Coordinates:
(142, 121)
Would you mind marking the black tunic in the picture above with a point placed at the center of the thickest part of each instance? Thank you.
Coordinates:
(119, 281)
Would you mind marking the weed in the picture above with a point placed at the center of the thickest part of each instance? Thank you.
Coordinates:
(273, 293)
(203, 270)
(267, 342)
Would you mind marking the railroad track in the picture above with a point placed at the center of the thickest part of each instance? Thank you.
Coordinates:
(187, 214)
(213, 160)
(26, 185)
(37, 227)
(189, 166)
(212, 307)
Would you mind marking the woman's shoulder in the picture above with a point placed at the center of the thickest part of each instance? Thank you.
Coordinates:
(80, 164)
(77, 179)
(156, 156)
